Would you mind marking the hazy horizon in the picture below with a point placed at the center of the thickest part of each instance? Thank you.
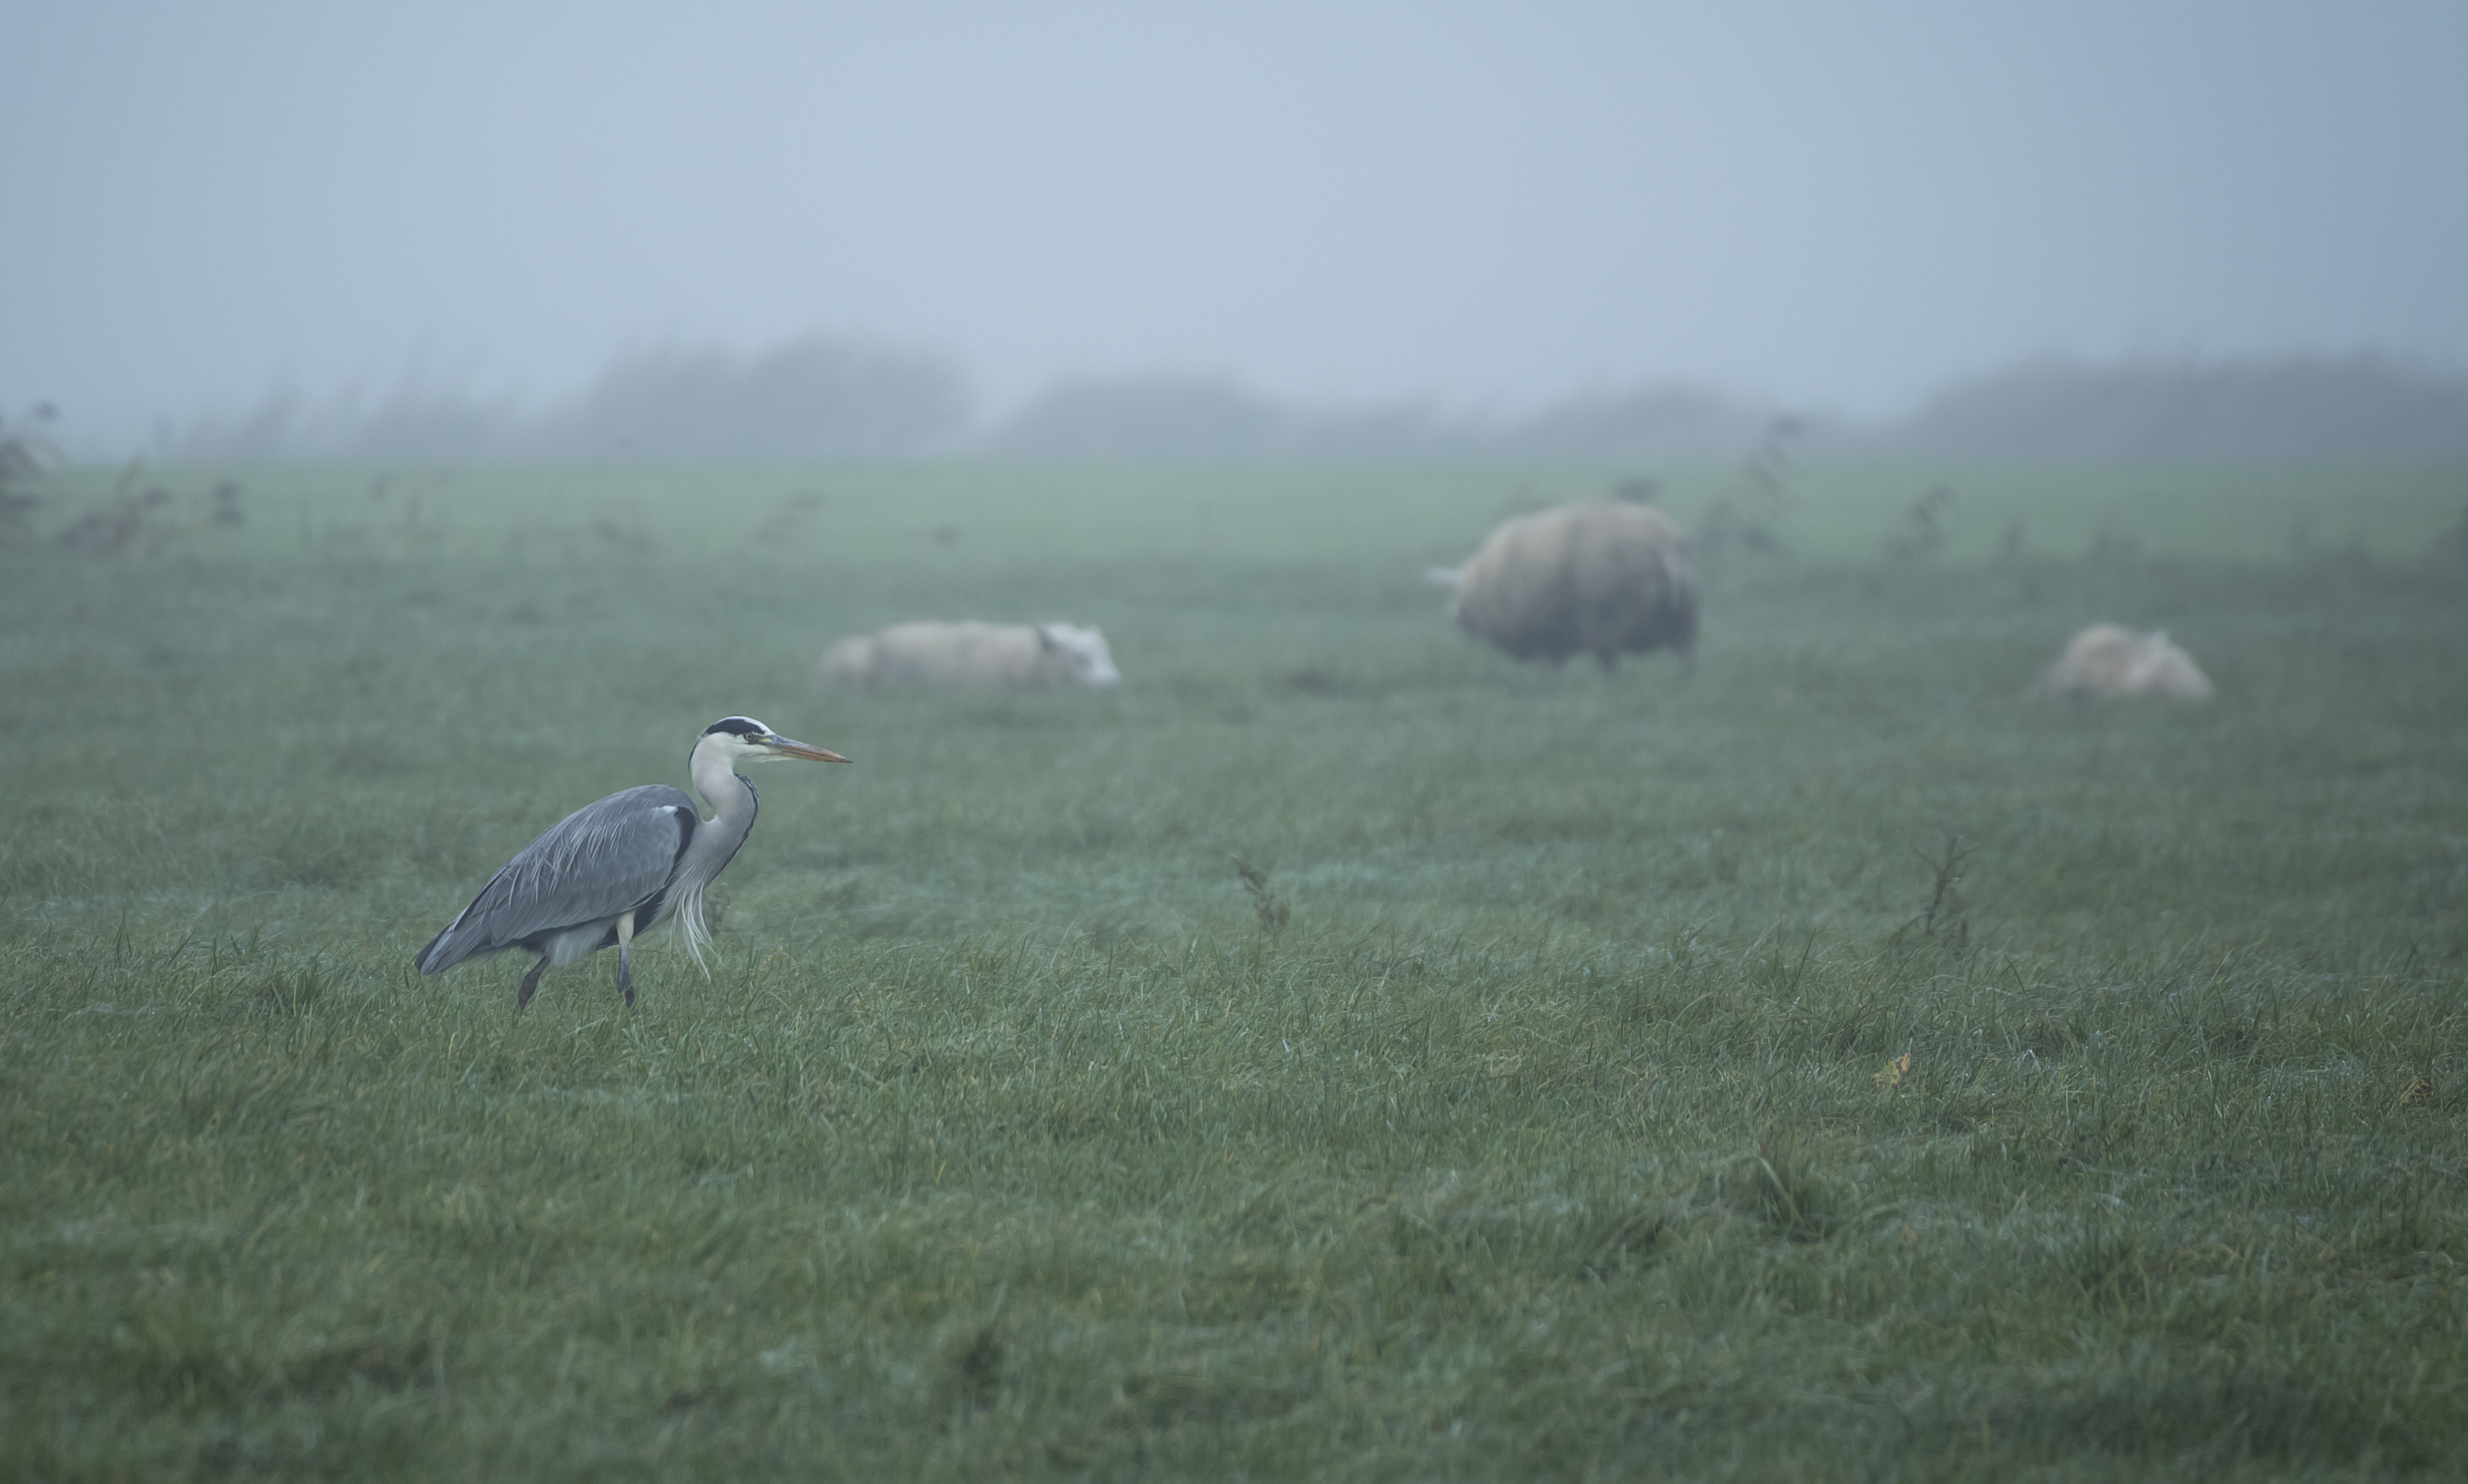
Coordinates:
(1486, 210)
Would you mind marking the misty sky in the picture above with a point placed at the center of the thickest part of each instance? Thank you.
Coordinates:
(1488, 205)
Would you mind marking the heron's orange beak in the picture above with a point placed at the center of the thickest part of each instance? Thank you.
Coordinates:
(790, 748)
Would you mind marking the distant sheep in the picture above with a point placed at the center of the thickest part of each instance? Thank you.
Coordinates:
(2110, 659)
(979, 656)
(1605, 580)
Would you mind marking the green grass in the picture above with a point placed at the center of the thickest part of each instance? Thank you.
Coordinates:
(1537, 1106)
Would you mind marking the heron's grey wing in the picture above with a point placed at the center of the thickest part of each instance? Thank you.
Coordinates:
(603, 859)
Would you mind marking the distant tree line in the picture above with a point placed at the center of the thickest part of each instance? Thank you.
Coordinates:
(817, 397)
(824, 397)
(2268, 409)
(1172, 416)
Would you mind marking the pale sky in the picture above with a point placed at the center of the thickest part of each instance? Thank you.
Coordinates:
(1488, 205)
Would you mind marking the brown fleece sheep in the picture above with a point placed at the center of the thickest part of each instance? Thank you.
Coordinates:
(1605, 580)
(2110, 660)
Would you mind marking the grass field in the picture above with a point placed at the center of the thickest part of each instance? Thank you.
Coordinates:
(1572, 1088)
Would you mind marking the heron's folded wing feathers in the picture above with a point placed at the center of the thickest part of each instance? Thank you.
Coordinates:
(596, 862)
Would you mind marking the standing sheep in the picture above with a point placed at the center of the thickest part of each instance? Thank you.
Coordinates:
(2111, 659)
(1605, 579)
(981, 656)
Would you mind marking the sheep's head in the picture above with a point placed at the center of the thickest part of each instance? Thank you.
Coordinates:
(1085, 650)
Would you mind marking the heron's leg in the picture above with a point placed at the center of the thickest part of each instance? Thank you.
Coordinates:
(625, 971)
(530, 982)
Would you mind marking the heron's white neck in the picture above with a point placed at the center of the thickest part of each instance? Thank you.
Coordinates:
(731, 799)
(715, 776)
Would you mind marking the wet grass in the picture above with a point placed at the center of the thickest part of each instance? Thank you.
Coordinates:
(1340, 1052)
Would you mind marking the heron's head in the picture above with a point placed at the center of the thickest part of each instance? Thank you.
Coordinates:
(744, 740)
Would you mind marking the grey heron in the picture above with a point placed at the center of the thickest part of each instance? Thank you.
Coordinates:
(622, 866)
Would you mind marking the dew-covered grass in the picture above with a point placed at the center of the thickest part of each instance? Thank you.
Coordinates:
(1341, 1052)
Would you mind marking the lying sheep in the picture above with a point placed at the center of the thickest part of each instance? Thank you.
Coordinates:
(982, 656)
(1605, 579)
(2110, 659)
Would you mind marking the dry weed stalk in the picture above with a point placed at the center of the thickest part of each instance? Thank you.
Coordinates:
(1946, 918)
(1273, 909)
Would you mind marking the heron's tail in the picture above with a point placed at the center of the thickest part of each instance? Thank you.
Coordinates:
(430, 960)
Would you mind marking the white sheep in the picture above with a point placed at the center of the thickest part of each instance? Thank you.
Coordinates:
(2111, 659)
(981, 656)
(1605, 580)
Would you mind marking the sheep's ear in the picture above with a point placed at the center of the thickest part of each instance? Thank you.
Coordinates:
(1046, 638)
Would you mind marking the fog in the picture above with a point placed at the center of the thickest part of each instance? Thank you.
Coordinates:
(544, 230)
